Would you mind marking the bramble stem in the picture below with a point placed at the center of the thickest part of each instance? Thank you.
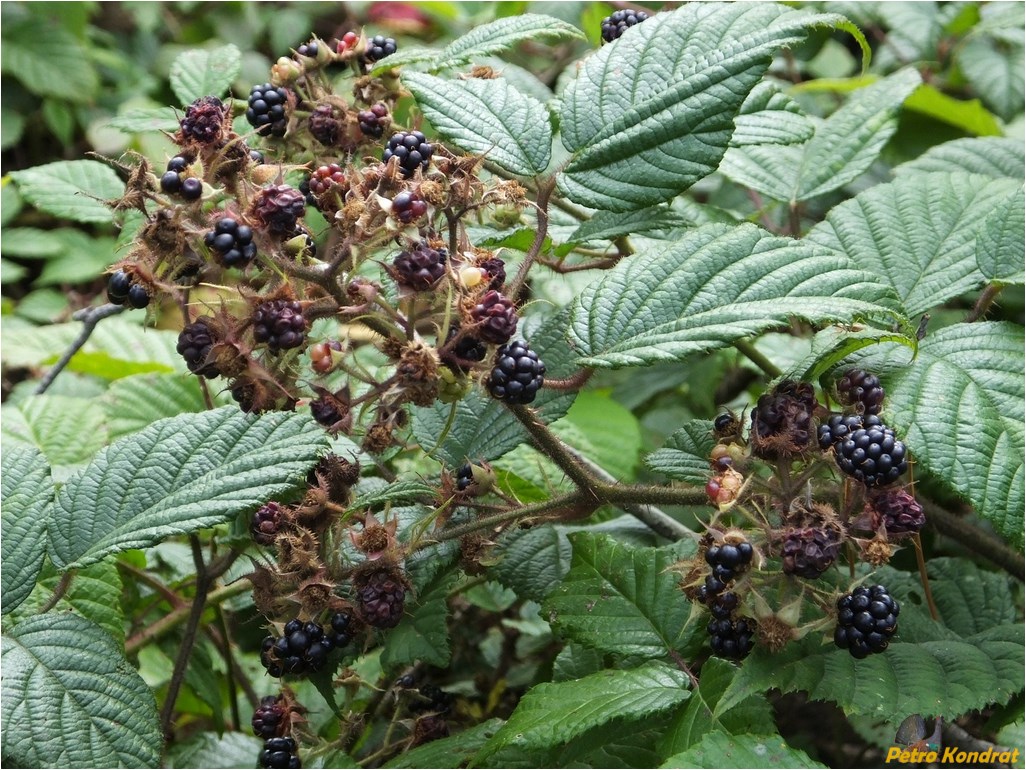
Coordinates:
(544, 192)
(90, 317)
(749, 351)
(975, 539)
(983, 303)
(924, 578)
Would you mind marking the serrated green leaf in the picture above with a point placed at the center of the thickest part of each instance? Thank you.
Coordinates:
(145, 119)
(969, 115)
(533, 561)
(988, 156)
(619, 599)
(423, 633)
(769, 116)
(833, 344)
(719, 750)
(943, 678)
(11, 272)
(179, 475)
(686, 454)
(72, 189)
(396, 493)
(575, 661)
(715, 285)
(487, 117)
(31, 242)
(68, 431)
(198, 73)
(25, 504)
(992, 60)
(999, 245)
(82, 257)
(70, 699)
(653, 112)
(607, 225)
(844, 146)
(453, 751)
(210, 750)
(918, 232)
(134, 402)
(549, 715)
(64, 72)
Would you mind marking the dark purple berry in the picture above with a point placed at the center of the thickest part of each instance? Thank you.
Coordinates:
(495, 319)
(171, 182)
(231, 242)
(192, 189)
(862, 390)
(618, 22)
(373, 121)
(267, 109)
(381, 599)
(866, 620)
(517, 375)
(279, 323)
(378, 47)
(118, 286)
(412, 149)
(204, 120)
(420, 267)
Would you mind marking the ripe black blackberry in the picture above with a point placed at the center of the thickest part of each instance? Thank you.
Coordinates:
(381, 598)
(866, 620)
(266, 111)
(269, 717)
(861, 390)
(464, 477)
(231, 242)
(729, 556)
(731, 639)
(782, 420)
(117, 287)
(495, 319)
(204, 120)
(897, 511)
(808, 552)
(378, 47)
(279, 753)
(420, 267)
(301, 649)
(326, 124)
(257, 157)
(194, 344)
(408, 207)
(723, 605)
(279, 207)
(373, 121)
(617, 23)
(412, 149)
(517, 375)
(325, 412)
(138, 296)
(341, 629)
(279, 323)
(267, 520)
(192, 189)
(873, 456)
(840, 426)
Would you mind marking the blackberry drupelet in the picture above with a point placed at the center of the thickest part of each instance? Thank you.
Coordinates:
(117, 287)
(408, 207)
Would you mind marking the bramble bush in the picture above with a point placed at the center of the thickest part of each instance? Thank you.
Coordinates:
(468, 386)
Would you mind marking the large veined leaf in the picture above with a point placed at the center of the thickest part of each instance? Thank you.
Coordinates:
(712, 287)
(619, 599)
(992, 59)
(685, 457)
(71, 189)
(989, 156)
(769, 116)
(832, 345)
(66, 72)
(68, 431)
(134, 402)
(533, 561)
(918, 232)
(653, 112)
(70, 699)
(198, 73)
(179, 475)
(25, 504)
(720, 750)
(210, 750)
(487, 117)
(550, 715)
(844, 146)
(999, 245)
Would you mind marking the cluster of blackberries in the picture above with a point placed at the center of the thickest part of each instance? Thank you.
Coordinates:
(420, 267)
(381, 599)
(866, 620)
(517, 375)
(194, 345)
(494, 317)
(618, 22)
(304, 647)
(231, 242)
(729, 637)
(279, 753)
(372, 121)
(408, 207)
(266, 522)
(121, 289)
(864, 448)
(412, 149)
(173, 183)
(862, 390)
(266, 110)
(378, 47)
(279, 323)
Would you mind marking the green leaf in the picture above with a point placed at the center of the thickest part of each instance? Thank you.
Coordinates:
(487, 117)
(453, 751)
(845, 145)
(68, 431)
(199, 73)
(145, 119)
(686, 454)
(992, 60)
(619, 599)
(179, 475)
(25, 504)
(63, 71)
(134, 402)
(607, 225)
(70, 699)
(533, 561)
(918, 232)
(715, 285)
(549, 715)
(208, 749)
(423, 633)
(999, 245)
(833, 344)
(769, 116)
(990, 156)
(719, 750)
(71, 189)
(653, 112)
(970, 116)
(611, 435)
(396, 493)
(31, 242)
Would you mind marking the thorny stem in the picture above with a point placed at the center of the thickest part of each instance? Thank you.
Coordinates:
(575, 381)
(498, 519)
(555, 449)
(544, 193)
(983, 303)
(90, 317)
(924, 578)
(229, 660)
(683, 666)
(58, 592)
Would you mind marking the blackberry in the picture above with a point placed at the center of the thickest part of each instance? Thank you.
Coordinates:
(279, 753)
(204, 120)
(866, 620)
(782, 420)
(192, 189)
(412, 149)
(462, 355)
(381, 598)
(617, 23)
(267, 520)
(421, 267)
(861, 390)
(279, 207)
(808, 552)
(723, 605)
(464, 477)
(269, 717)
(257, 157)
(325, 177)
(517, 375)
(433, 698)
(194, 345)
(138, 296)
(231, 242)
(494, 317)
(873, 456)
(341, 629)
(117, 287)
(408, 207)
(178, 163)
(325, 412)
(378, 47)
(733, 557)
(897, 511)
(496, 270)
(266, 111)
(731, 639)
(171, 182)
(279, 323)
(372, 122)
(301, 649)
(326, 125)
